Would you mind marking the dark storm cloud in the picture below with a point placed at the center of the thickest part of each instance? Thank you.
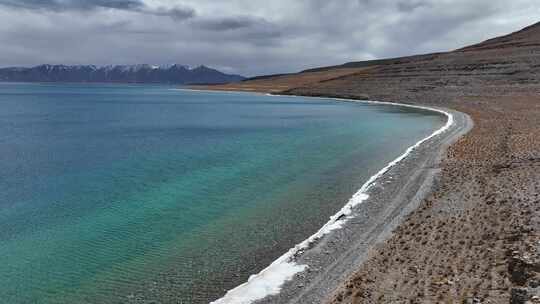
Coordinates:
(64, 5)
(256, 31)
(175, 13)
(408, 6)
(230, 23)
(86, 5)
(247, 36)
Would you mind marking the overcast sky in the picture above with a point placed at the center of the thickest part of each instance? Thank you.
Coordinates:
(250, 37)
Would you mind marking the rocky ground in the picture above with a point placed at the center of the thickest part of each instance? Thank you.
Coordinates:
(476, 238)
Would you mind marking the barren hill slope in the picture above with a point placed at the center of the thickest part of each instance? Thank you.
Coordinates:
(476, 238)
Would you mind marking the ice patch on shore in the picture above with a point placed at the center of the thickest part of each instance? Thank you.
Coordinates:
(266, 282)
(270, 280)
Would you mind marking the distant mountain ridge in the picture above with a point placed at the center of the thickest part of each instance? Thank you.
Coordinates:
(140, 73)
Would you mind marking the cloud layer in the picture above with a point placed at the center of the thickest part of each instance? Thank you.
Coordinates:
(243, 36)
(139, 6)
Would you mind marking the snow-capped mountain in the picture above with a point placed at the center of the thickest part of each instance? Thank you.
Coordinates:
(139, 73)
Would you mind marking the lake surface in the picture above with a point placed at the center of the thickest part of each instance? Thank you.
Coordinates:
(133, 194)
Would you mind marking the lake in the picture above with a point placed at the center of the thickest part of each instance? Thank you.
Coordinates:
(134, 193)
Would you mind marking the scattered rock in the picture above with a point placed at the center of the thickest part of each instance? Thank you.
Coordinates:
(518, 269)
(518, 296)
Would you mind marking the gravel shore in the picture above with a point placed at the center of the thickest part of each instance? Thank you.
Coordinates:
(399, 191)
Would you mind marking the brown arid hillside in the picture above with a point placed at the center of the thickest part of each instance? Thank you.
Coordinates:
(284, 82)
(476, 237)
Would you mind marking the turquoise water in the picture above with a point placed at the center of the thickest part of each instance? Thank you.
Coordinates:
(134, 194)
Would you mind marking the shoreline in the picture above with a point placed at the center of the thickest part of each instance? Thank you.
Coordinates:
(474, 237)
(289, 278)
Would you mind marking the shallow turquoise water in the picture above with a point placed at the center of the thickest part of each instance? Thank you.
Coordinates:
(118, 193)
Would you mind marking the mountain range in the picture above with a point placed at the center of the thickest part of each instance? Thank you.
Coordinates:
(141, 73)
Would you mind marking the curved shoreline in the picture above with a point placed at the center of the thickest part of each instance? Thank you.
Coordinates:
(284, 272)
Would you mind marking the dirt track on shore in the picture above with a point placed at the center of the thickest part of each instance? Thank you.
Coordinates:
(392, 196)
(475, 239)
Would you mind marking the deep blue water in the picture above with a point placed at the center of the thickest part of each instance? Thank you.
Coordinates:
(119, 193)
